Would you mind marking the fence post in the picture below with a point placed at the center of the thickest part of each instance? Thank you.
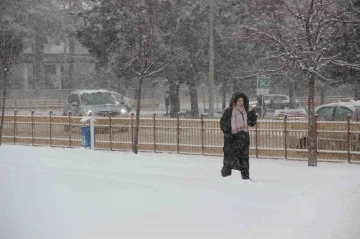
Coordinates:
(285, 135)
(110, 131)
(178, 133)
(348, 138)
(32, 128)
(15, 104)
(59, 108)
(50, 131)
(202, 134)
(256, 140)
(132, 128)
(204, 100)
(154, 130)
(30, 106)
(316, 133)
(15, 113)
(45, 106)
(70, 129)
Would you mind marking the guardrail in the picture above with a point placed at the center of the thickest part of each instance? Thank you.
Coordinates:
(337, 141)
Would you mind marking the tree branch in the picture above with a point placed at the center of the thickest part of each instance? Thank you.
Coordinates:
(346, 64)
(163, 66)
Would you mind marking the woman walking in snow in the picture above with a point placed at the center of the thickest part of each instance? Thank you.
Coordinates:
(234, 124)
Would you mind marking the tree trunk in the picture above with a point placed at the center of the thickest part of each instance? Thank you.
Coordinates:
(71, 61)
(211, 61)
(193, 100)
(322, 94)
(174, 98)
(223, 90)
(121, 87)
(236, 87)
(291, 94)
(312, 131)
(137, 121)
(3, 105)
(39, 79)
(357, 88)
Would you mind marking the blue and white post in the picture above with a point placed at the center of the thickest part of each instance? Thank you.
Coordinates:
(91, 119)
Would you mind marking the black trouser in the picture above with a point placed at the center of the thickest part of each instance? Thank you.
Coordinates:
(245, 173)
(248, 165)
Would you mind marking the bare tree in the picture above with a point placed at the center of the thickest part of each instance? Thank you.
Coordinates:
(128, 38)
(300, 35)
(11, 45)
(148, 56)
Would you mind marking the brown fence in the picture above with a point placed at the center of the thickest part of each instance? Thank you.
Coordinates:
(337, 141)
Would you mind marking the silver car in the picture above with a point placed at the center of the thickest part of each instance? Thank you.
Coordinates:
(122, 100)
(336, 111)
(93, 102)
(327, 138)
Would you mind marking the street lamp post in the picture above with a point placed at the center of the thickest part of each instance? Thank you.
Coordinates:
(211, 60)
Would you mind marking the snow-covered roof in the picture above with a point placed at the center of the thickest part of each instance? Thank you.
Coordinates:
(348, 103)
(92, 91)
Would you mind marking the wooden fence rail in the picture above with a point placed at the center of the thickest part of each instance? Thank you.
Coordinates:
(337, 141)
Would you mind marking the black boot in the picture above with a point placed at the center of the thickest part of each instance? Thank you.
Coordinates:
(225, 171)
(245, 175)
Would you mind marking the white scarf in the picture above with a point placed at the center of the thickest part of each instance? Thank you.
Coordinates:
(239, 120)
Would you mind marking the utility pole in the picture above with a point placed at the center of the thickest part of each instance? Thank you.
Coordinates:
(211, 61)
(73, 4)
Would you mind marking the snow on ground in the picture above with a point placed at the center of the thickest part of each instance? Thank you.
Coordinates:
(48, 193)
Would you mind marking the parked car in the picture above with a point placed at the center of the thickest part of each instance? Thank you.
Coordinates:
(272, 102)
(278, 101)
(298, 114)
(93, 102)
(330, 139)
(336, 111)
(122, 100)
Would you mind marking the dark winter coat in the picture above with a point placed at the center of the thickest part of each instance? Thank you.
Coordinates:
(236, 146)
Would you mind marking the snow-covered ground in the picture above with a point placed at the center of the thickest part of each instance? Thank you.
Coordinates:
(48, 193)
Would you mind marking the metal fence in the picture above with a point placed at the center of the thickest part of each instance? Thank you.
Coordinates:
(337, 141)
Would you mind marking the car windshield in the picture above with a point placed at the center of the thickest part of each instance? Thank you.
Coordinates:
(97, 98)
(118, 97)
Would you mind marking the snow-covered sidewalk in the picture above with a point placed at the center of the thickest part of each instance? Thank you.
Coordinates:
(48, 193)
